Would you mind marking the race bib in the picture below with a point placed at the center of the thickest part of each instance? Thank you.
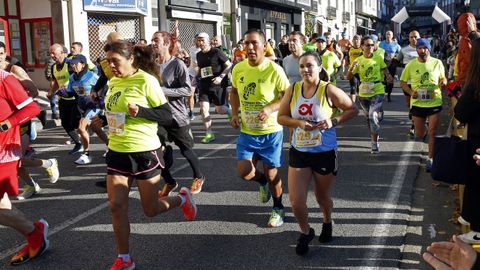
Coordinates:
(116, 122)
(206, 72)
(424, 94)
(367, 88)
(251, 120)
(80, 90)
(307, 138)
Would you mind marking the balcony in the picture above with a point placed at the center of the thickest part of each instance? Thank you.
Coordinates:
(345, 17)
(331, 13)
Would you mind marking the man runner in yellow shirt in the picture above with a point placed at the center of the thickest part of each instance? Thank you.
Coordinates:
(258, 85)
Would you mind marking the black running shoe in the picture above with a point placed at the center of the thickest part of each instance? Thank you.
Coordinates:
(326, 235)
(302, 243)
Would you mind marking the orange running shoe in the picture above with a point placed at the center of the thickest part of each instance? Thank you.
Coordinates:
(197, 185)
(167, 189)
(121, 265)
(189, 208)
(37, 244)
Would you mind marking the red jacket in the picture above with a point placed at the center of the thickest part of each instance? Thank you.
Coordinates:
(464, 47)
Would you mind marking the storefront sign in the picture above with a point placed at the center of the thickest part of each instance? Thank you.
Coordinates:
(277, 15)
(304, 2)
(124, 6)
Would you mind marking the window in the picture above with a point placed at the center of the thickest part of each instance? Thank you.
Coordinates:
(38, 37)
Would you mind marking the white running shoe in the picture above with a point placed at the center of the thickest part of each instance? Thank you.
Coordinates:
(52, 171)
(28, 191)
(83, 159)
(471, 237)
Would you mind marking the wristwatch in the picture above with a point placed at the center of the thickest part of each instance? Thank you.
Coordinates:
(3, 127)
(334, 122)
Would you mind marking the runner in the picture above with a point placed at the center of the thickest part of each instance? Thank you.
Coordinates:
(391, 48)
(213, 66)
(309, 107)
(344, 45)
(193, 71)
(17, 109)
(258, 85)
(427, 76)
(330, 60)
(176, 87)
(372, 70)
(353, 53)
(77, 48)
(69, 114)
(80, 86)
(290, 63)
(134, 145)
(407, 54)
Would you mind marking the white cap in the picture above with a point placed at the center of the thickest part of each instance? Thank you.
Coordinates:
(203, 35)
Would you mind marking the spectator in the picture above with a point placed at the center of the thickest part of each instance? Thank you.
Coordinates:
(276, 51)
(455, 255)
(283, 46)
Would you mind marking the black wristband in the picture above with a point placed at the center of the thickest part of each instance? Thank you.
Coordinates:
(334, 122)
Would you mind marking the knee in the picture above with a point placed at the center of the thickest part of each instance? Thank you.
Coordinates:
(149, 211)
(117, 207)
(245, 173)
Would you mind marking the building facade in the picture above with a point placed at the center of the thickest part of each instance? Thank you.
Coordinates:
(336, 17)
(366, 16)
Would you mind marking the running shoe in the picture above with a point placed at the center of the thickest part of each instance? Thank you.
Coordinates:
(37, 243)
(189, 208)
(375, 148)
(208, 137)
(471, 237)
(167, 189)
(276, 218)
(326, 235)
(429, 165)
(52, 171)
(29, 191)
(121, 265)
(302, 243)
(33, 131)
(191, 115)
(411, 134)
(83, 159)
(462, 221)
(76, 149)
(264, 193)
(197, 184)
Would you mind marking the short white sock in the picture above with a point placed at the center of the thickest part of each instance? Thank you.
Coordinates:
(124, 257)
(46, 163)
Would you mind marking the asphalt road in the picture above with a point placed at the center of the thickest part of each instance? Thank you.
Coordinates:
(372, 197)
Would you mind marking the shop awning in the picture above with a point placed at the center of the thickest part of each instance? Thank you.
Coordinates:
(440, 16)
(401, 16)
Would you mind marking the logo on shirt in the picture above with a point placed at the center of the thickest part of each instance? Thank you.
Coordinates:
(425, 78)
(241, 79)
(305, 109)
(369, 72)
(113, 100)
(249, 90)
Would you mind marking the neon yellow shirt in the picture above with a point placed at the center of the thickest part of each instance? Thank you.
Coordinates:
(133, 134)
(257, 87)
(424, 78)
(330, 62)
(380, 52)
(371, 76)
(354, 53)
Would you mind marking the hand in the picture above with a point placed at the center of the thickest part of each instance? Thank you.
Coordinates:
(450, 255)
(353, 66)
(235, 122)
(96, 122)
(263, 114)
(133, 109)
(415, 94)
(477, 157)
(471, 24)
(307, 125)
(325, 124)
(389, 79)
(217, 80)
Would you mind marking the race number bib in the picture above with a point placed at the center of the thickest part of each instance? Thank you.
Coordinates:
(251, 120)
(80, 90)
(206, 72)
(367, 88)
(308, 138)
(424, 94)
(116, 122)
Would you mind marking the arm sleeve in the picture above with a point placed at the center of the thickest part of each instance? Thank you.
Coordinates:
(473, 36)
(181, 76)
(26, 108)
(161, 114)
(101, 82)
(465, 109)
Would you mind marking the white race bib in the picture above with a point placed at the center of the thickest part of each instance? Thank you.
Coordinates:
(367, 87)
(305, 138)
(424, 94)
(251, 120)
(206, 72)
(116, 122)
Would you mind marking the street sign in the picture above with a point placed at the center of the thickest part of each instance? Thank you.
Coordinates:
(123, 6)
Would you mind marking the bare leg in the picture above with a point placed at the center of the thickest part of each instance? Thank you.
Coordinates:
(118, 188)
(298, 182)
(10, 216)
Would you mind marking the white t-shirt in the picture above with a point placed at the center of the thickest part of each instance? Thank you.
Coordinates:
(291, 67)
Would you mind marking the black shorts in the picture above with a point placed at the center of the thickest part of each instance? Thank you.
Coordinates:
(181, 136)
(214, 94)
(140, 165)
(424, 112)
(323, 163)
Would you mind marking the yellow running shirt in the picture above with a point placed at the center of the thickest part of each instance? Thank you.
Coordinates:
(371, 76)
(330, 62)
(424, 78)
(257, 87)
(354, 53)
(132, 134)
(380, 52)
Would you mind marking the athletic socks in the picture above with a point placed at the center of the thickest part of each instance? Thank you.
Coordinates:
(124, 257)
(277, 202)
(262, 179)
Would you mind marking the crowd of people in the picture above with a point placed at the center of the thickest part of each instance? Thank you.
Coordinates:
(141, 97)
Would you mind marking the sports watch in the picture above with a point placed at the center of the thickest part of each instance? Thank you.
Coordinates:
(3, 127)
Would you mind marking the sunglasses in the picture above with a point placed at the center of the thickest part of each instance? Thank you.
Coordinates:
(369, 45)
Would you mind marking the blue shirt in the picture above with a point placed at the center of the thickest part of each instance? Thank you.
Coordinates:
(390, 48)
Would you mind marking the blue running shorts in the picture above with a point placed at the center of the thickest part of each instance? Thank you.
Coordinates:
(267, 147)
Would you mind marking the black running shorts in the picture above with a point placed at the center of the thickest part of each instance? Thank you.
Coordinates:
(214, 94)
(424, 112)
(140, 165)
(323, 163)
